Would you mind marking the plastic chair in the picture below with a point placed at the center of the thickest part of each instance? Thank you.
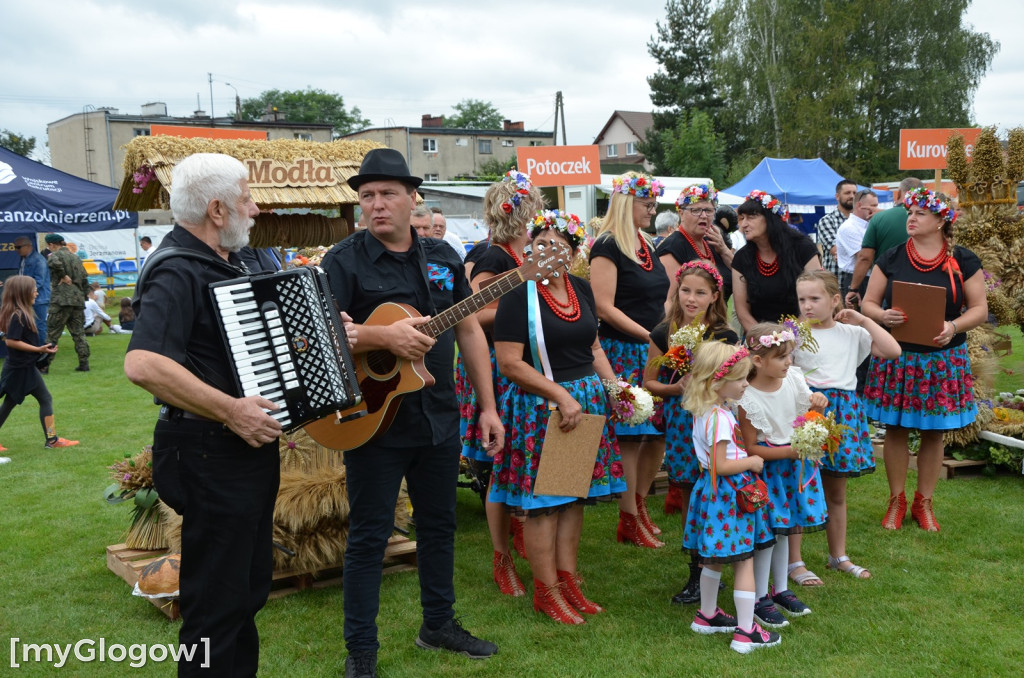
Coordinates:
(92, 267)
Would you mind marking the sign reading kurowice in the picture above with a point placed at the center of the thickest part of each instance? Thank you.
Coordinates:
(926, 148)
(268, 173)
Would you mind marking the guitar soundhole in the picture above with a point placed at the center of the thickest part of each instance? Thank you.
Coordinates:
(380, 363)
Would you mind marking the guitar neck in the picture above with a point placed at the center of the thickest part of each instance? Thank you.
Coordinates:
(453, 315)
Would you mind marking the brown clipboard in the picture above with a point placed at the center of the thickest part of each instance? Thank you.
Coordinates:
(567, 459)
(925, 308)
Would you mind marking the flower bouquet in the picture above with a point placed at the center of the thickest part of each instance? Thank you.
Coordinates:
(814, 436)
(631, 405)
(133, 477)
(682, 344)
(802, 335)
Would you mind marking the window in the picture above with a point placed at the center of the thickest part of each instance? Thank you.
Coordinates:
(303, 136)
(613, 150)
(484, 146)
(430, 145)
(140, 132)
(507, 143)
(630, 148)
(430, 177)
(536, 143)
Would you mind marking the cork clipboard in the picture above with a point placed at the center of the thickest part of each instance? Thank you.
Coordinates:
(567, 459)
(925, 308)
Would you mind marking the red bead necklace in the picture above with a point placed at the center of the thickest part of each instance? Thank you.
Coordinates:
(644, 255)
(512, 253)
(920, 263)
(767, 270)
(572, 308)
(706, 254)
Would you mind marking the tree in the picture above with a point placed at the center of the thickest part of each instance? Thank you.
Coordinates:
(17, 143)
(684, 81)
(309, 106)
(693, 148)
(474, 114)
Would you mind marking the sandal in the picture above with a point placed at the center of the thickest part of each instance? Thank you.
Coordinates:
(806, 578)
(855, 571)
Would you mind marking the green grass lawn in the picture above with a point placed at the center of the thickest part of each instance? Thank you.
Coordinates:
(938, 604)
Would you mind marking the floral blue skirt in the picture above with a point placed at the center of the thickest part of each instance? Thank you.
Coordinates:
(680, 458)
(716, 529)
(515, 467)
(469, 412)
(628, 360)
(926, 391)
(796, 501)
(855, 456)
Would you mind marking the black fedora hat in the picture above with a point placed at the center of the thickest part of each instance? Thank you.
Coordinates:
(383, 164)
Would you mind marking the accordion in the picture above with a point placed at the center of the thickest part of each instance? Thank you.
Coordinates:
(286, 343)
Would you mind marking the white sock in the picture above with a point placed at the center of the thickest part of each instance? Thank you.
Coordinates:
(780, 564)
(762, 568)
(709, 591)
(744, 601)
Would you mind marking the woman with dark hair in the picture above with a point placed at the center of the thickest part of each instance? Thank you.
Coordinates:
(927, 388)
(545, 338)
(630, 288)
(764, 271)
(509, 206)
(698, 237)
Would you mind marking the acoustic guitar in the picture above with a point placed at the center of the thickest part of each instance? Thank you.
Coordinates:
(384, 378)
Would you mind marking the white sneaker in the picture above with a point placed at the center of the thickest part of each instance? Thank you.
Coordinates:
(4, 460)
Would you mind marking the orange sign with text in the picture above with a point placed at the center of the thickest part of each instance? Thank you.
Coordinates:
(207, 132)
(560, 165)
(925, 149)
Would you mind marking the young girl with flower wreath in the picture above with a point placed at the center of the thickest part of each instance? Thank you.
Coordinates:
(545, 339)
(631, 288)
(717, 529)
(778, 394)
(509, 207)
(844, 338)
(699, 300)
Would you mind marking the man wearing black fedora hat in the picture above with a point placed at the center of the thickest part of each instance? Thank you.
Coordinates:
(389, 262)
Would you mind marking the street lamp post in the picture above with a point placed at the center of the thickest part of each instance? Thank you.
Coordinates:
(238, 102)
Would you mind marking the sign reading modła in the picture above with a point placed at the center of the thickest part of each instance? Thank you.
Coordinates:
(268, 173)
(560, 165)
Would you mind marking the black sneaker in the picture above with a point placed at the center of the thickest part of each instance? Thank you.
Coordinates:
(768, 615)
(745, 642)
(454, 638)
(720, 622)
(788, 601)
(361, 665)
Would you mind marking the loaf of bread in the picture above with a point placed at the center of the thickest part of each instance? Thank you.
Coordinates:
(161, 576)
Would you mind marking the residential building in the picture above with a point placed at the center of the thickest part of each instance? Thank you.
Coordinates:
(619, 139)
(439, 153)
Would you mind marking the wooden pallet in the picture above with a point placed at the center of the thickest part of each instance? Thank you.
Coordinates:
(127, 563)
(952, 468)
(660, 484)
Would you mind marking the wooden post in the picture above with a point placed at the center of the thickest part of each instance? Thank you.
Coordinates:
(561, 198)
(938, 180)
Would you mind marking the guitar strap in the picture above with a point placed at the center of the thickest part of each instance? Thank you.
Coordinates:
(426, 276)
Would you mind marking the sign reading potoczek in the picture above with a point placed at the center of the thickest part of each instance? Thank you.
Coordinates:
(560, 165)
(925, 149)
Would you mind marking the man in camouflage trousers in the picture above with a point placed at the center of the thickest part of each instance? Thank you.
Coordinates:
(69, 283)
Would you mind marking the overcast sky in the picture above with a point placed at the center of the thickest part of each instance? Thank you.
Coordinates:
(393, 60)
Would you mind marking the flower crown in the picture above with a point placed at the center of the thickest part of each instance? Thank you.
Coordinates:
(793, 330)
(686, 268)
(567, 224)
(730, 363)
(697, 193)
(523, 187)
(769, 202)
(774, 339)
(925, 199)
(641, 186)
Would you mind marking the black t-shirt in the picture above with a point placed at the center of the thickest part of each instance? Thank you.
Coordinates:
(175, 314)
(17, 331)
(363, 275)
(476, 251)
(568, 344)
(639, 294)
(659, 335)
(775, 296)
(895, 264)
(494, 260)
(680, 249)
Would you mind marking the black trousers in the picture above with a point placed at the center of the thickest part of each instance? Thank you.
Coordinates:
(373, 478)
(225, 491)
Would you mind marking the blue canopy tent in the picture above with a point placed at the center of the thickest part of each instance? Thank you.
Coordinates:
(805, 186)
